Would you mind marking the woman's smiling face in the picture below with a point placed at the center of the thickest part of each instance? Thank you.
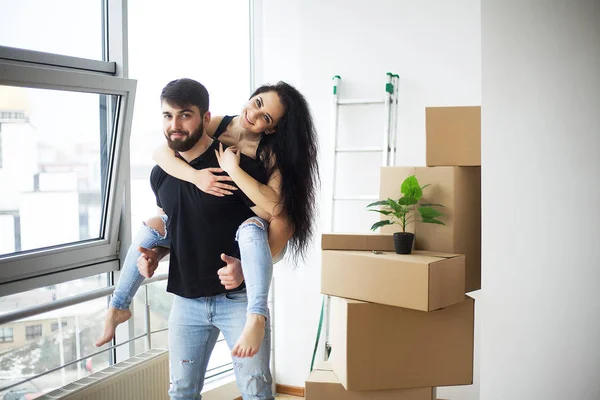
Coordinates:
(262, 113)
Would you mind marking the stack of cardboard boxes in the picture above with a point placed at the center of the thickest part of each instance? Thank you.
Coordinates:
(401, 325)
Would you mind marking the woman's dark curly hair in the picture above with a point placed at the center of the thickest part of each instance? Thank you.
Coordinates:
(294, 146)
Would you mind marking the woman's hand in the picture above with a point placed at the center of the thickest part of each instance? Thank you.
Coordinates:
(229, 159)
(206, 180)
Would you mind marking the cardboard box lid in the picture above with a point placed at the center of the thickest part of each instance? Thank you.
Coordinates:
(416, 257)
(353, 241)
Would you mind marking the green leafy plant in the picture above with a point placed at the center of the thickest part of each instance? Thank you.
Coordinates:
(405, 210)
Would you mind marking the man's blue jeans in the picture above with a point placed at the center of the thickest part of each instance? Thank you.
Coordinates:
(194, 325)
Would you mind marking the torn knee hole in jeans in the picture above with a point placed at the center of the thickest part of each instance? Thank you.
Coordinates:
(158, 225)
(254, 221)
(255, 384)
(261, 377)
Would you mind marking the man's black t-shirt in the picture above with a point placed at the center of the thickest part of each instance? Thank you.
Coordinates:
(201, 226)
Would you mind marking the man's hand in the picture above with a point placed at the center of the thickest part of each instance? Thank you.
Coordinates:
(206, 180)
(231, 275)
(148, 261)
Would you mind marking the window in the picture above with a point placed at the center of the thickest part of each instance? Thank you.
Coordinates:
(60, 179)
(63, 89)
(6, 335)
(54, 326)
(50, 26)
(33, 332)
(55, 168)
(37, 346)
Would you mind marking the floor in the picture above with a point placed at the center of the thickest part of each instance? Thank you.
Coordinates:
(287, 397)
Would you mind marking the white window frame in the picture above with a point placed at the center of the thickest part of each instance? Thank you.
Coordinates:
(19, 266)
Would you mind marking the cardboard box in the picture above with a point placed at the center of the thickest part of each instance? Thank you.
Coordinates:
(347, 241)
(322, 384)
(377, 347)
(458, 189)
(423, 281)
(453, 136)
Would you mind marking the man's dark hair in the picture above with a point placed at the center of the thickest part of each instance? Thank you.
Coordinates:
(185, 92)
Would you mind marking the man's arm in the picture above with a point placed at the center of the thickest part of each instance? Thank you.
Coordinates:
(161, 252)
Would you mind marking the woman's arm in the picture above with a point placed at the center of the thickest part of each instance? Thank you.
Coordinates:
(204, 179)
(266, 197)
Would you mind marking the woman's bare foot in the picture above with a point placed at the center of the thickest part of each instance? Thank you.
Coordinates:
(252, 336)
(114, 317)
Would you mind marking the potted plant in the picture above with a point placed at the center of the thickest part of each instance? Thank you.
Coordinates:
(404, 211)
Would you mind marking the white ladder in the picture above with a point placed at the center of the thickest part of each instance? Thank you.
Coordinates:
(387, 150)
(388, 146)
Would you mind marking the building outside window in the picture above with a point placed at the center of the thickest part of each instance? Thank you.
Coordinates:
(54, 326)
(6, 335)
(33, 332)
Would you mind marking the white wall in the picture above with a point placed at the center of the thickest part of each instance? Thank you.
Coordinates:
(541, 192)
(435, 48)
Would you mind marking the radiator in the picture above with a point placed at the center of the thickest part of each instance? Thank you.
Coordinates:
(143, 377)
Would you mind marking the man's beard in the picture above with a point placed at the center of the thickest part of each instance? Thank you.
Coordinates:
(186, 144)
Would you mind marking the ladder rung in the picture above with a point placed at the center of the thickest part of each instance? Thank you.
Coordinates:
(355, 198)
(359, 150)
(360, 101)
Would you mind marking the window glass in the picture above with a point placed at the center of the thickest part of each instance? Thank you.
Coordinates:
(67, 27)
(55, 153)
(36, 344)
